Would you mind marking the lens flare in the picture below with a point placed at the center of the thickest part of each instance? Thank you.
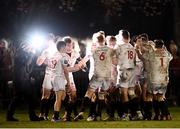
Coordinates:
(37, 41)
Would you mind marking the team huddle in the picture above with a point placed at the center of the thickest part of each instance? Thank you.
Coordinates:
(130, 77)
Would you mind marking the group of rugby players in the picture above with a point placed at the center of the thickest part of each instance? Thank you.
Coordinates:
(130, 76)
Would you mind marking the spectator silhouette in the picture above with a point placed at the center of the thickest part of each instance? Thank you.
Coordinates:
(174, 74)
(23, 83)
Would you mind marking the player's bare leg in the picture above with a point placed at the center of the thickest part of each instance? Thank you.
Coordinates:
(60, 96)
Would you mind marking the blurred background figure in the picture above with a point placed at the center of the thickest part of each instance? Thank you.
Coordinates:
(81, 77)
(23, 82)
(174, 74)
(6, 69)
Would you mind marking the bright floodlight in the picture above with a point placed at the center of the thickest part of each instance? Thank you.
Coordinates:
(37, 41)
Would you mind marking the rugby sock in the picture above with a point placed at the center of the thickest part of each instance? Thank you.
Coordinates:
(112, 108)
(85, 102)
(156, 107)
(47, 106)
(131, 108)
(75, 108)
(164, 108)
(92, 110)
(148, 110)
(108, 105)
(100, 107)
(119, 108)
(69, 107)
(134, 105)
(136, 102)
(56, 114)
(108, 108)
(166, 103)
(125, 107)
(42, 106)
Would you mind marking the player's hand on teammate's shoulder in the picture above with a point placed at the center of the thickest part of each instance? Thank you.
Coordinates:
(81, 65)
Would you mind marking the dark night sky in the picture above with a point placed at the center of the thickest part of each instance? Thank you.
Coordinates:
(84, 17)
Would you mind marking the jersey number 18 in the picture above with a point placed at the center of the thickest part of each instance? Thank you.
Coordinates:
(130, 54)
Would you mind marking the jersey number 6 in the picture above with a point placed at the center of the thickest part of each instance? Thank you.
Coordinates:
(102, 56)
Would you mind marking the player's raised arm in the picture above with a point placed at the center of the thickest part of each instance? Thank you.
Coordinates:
(41, 59)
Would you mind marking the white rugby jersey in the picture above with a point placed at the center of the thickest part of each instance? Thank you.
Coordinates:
(126, 55)
(58, 61)
(147, 49)
(48, 54)
(72, 58)
(159, 60)
(139, 66)
(102, 56)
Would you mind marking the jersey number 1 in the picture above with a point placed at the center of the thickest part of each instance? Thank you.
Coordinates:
(161, 59)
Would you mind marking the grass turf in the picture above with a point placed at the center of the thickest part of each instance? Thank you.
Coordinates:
(25, 123)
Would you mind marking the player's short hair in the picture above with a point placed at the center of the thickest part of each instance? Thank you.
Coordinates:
(110, 38)
(60, 44)
(101, 32)
(67, 39)
(144, 37)
(100, 38)
(158, 43)
(125, 34)
(81, 43)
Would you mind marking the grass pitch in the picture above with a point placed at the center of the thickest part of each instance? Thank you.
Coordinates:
(25, 123)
